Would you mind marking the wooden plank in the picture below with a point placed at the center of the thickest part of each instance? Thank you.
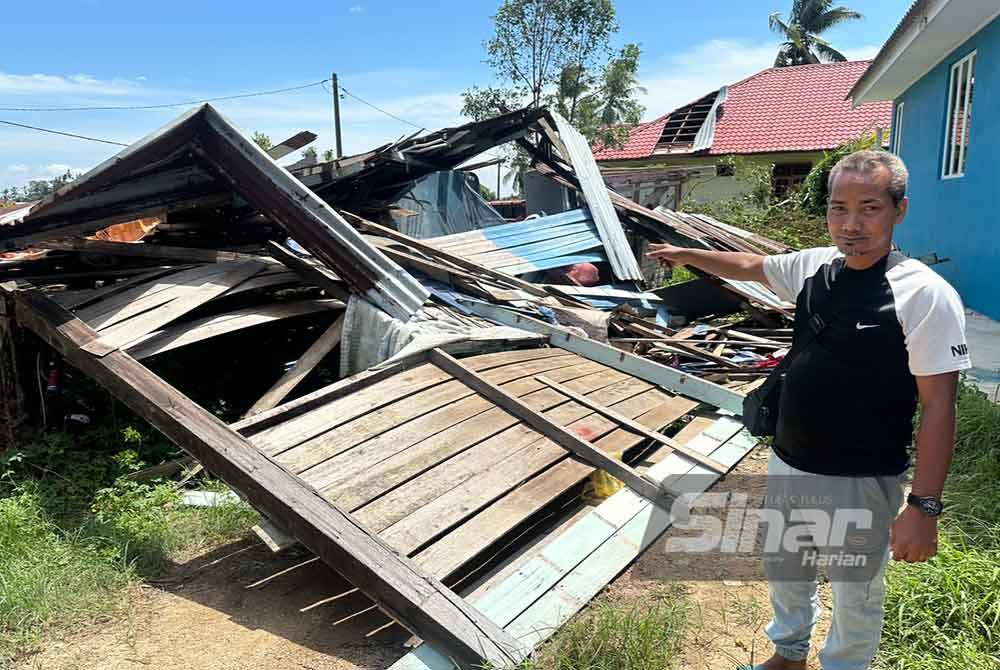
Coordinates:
(357, 385)
(307, 218)
(298, 455)
(414, 514)
(274, 537)
(547, 427)
(145, 296)
(599, 567)
(537, 597)
(669, 378)
(189, 332)
(185, 298)
(683, 347)
(474, 535)
(408, 594)
(141, 250)
(379, 465)
(634, 425)
(322, 276)
(77, 300)
(312, 357)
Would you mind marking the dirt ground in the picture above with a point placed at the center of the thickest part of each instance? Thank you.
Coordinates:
(203, 616)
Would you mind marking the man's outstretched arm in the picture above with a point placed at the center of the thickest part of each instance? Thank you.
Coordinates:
(727, 264)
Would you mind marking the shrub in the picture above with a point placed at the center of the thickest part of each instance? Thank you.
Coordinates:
(812, 195)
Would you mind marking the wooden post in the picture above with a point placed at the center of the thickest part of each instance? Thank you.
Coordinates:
(406, 592)
(11, 395)
(336, 114)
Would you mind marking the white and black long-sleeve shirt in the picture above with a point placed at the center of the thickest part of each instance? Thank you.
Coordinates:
(849, 398)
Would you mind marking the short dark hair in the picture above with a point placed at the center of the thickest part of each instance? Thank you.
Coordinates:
(869, 160)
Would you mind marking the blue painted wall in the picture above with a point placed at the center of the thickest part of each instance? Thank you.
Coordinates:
(957, 218)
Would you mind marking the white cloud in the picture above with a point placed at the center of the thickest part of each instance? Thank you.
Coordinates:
(683, 77)
(18, 167)
(74, 84)
(356, 9)
(57, 169)
(673, 80)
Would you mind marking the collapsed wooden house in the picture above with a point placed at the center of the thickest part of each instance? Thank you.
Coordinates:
(425, 481)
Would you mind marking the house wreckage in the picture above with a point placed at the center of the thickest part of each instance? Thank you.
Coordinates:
(408, 386)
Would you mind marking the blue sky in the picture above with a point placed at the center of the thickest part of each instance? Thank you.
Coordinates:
(412, 59)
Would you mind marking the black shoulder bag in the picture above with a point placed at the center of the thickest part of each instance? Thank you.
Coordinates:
(760, 407)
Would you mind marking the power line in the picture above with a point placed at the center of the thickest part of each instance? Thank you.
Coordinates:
(164, 105)
(375, 107)
(59, 132)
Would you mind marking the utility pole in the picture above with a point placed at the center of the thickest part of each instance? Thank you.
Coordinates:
(336, 115)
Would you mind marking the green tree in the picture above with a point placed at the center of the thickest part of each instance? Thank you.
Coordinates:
(262, 140)
(486, 193)
(558, 53)
(310, 154)
(533, 42)
(801, 32)
(36, 188)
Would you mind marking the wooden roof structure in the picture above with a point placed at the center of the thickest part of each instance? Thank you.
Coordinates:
(418, 480)
(201, 159)
(401, 479)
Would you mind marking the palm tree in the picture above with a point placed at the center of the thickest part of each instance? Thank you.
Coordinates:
(801, 31)
(621, 88)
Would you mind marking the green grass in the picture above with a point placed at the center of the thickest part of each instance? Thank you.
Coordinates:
(615, 634)
(49, 577)
(945, 613)
(75, 536)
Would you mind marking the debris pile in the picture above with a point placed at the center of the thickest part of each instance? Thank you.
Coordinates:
(412, 388)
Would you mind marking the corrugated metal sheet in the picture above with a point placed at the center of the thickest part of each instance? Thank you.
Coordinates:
(706, 134)
(595, 192)
(528, 246)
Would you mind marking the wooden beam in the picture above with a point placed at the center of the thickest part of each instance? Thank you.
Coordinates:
(314, 272)
(140, 250)
(296, 141)
(669, 378)
(406, 592)
(309, 360)
(548, 428)
(189, 332)
(634, 426)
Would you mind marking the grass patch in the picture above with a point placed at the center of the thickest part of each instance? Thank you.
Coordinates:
(618, 635)
(945, 613)
(49, 577)
(75, 535)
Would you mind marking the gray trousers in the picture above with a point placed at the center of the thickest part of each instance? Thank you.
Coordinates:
(825, 529)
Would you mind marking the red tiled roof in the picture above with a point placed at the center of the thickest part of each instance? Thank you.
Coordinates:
(641, 141)
(799, 108)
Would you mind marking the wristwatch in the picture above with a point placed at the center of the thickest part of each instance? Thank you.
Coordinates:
(929, 505)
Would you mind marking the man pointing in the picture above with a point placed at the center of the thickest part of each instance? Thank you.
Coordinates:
(894, 335)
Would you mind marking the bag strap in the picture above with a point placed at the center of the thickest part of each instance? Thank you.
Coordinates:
(820, 319)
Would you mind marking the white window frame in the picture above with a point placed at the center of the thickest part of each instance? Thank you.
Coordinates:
(951, 168)
(897, 129)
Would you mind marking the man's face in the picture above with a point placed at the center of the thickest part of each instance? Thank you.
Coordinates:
(861, 214)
